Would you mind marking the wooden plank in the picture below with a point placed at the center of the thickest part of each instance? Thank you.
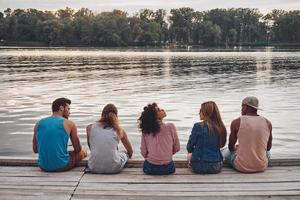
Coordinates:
(27, 161)
(192, 178)
(33, 173)
(115, 197)
(132, 183)
(41, 174)
(39, 179)
(180, 163)
(194, 181)
(189, 194)
(32, 183)
(40, 183)
(33, 195)
(184, 171)
(190, 187)
(57, 188)
(34, 169)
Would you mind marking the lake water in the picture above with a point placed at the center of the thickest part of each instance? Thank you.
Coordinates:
(30, 79)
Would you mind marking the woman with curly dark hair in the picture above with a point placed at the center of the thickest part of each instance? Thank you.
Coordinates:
(159, 141)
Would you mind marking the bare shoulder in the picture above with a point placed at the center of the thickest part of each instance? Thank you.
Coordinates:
(269, 123)
(69, 123)
(235, 124)
(88, 127)
(236, 121)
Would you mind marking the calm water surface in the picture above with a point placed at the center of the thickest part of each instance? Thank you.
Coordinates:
(30, 79)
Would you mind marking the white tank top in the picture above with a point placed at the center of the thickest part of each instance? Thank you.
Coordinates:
(104, 157)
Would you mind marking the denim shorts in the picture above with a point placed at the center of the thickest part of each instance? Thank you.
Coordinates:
(231, 156)
(153, 169)
(206, 167)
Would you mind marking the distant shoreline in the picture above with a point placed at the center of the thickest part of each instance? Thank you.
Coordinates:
(33, 45)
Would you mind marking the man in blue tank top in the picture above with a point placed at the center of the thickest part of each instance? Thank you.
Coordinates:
(51, 136)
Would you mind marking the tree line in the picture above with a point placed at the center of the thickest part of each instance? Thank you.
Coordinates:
(182, 26)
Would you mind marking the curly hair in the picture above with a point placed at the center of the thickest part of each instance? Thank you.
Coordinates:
(148, 121)
(109, 118)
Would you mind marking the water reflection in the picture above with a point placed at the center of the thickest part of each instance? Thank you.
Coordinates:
(178, 81)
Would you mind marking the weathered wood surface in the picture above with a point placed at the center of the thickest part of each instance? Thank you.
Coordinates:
(24, 183)
(32, 161)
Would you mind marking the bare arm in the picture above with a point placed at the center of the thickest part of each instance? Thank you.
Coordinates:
(34, 143)
(88, 133)
(270, 137)
(234, 128)
(127, 144)
(73, 136)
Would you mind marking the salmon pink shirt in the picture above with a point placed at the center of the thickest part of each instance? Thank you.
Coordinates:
(160, 148)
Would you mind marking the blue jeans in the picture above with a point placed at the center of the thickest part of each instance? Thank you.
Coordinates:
(152, 169)
(206, 167)
(230, 156)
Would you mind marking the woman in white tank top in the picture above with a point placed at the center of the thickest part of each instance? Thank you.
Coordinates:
(103, 138)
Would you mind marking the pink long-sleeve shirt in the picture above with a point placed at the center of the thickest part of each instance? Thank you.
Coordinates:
(160, 148)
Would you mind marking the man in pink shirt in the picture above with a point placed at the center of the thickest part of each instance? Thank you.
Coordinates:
(253, 133)
(159, 141)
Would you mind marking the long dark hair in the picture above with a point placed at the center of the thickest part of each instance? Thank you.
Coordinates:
(109, 119)
(148, 121)
(212, 117)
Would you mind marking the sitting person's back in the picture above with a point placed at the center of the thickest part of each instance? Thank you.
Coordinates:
(159, 141)
(253, 136)
(103, 139)
(158, 149)
(250, 139)
(52, 142)
(205, 141)
(51, 136)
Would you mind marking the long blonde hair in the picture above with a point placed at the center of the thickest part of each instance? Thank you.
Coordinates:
(109, 118)
(211, 115)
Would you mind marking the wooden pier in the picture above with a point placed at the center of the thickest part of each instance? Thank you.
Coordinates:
(21, 179)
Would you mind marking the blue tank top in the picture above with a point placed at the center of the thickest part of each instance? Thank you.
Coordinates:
(52, 141)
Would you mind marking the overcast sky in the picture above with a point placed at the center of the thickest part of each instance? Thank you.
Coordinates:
(132, 6)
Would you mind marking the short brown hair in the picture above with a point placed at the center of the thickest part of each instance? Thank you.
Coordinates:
(60, 102)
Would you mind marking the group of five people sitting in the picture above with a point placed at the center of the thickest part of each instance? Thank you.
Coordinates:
(248, 150)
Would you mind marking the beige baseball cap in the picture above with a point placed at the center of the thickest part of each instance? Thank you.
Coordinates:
(252, 102)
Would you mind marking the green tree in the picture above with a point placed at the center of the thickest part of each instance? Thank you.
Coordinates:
(146, 15)
(210, 34)
(287, 27)
(65, 14)
(181, 24)
(160, 18)
(111, 29)
(82, 24)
